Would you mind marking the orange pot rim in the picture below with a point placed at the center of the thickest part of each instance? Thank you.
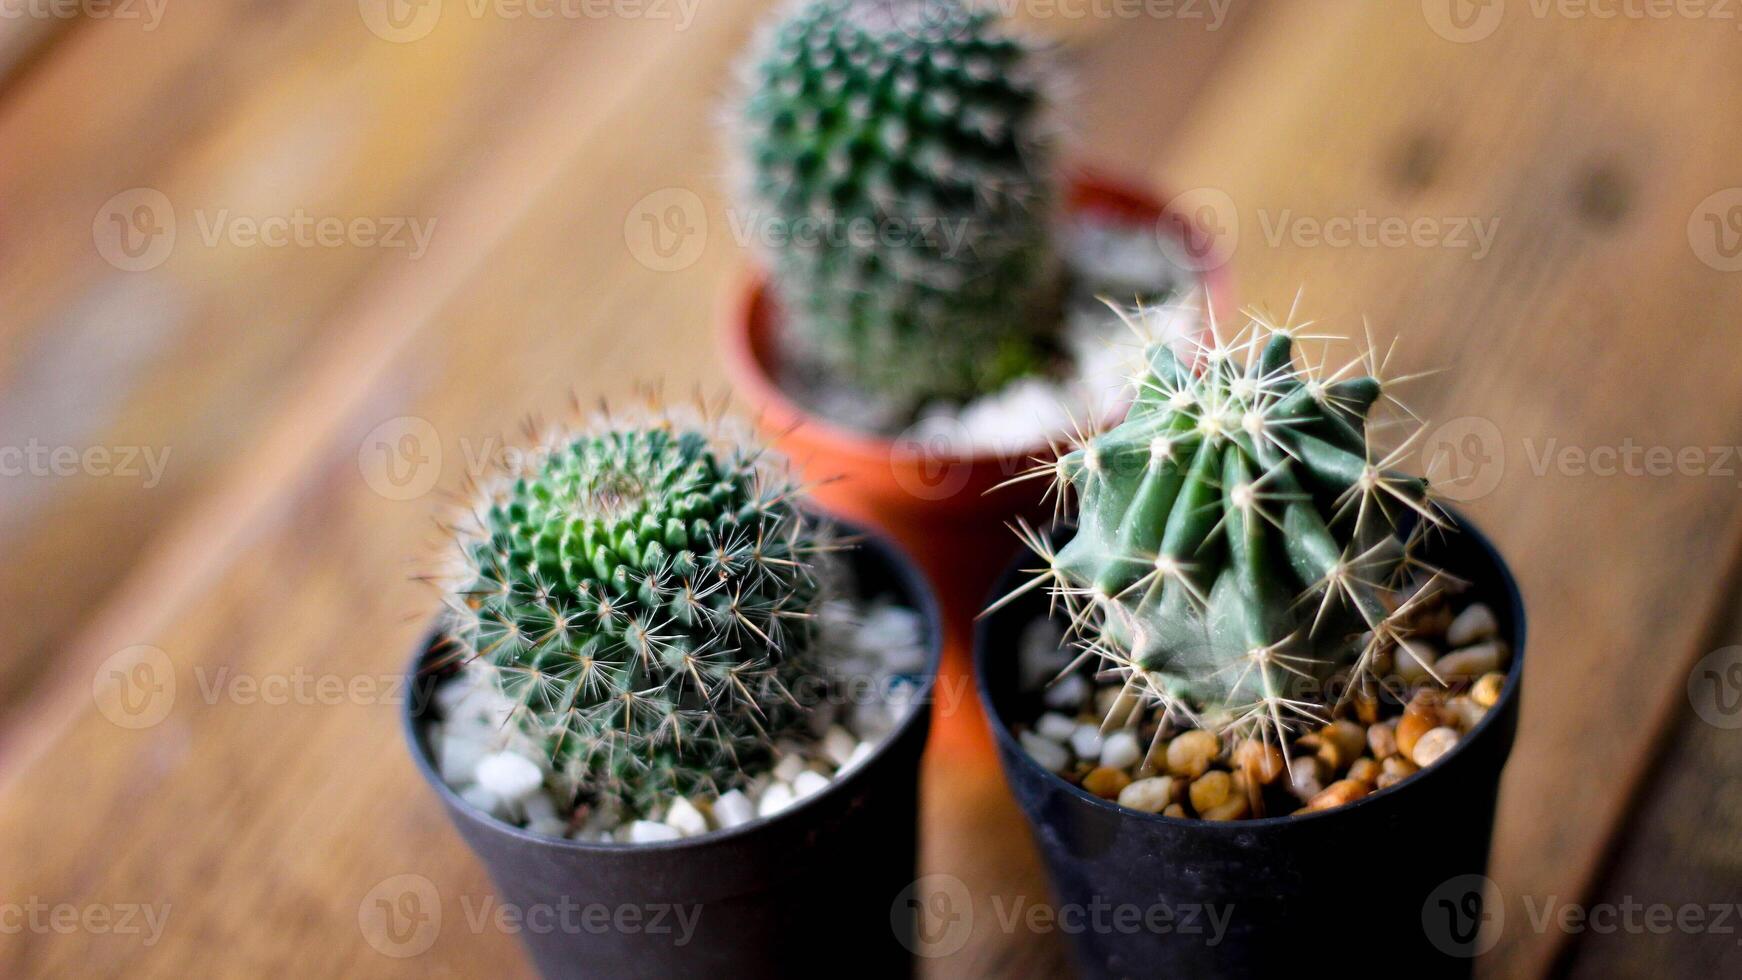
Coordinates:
(750, 296)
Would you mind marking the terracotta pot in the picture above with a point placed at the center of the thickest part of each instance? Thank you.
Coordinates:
(939, 504)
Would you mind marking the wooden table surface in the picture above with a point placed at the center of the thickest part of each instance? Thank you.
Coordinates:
(1540, 199)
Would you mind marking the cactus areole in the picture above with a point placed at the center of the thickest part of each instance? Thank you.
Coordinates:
(897, 162)
(643, 594)
(1239, 541)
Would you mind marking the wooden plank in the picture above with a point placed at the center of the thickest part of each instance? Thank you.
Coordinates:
(179, 366)
(563, 302)
(1681, 846)
(1138, 78)
(610, 318)
(1594, 321)
(24, 38)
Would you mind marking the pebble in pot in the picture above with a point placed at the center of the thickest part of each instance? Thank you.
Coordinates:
(643, 637)
(1243, 559)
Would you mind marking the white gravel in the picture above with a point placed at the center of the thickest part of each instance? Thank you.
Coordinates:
(1104, 354)
(1110, 261)
(733, 808)
(1067, 694)
(1120, 750)
(874, 646)
(509, 776)
(1046, 752)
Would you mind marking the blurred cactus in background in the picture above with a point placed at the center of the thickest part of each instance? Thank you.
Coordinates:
(903, 150)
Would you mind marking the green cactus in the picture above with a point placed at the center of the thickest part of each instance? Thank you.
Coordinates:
(1239, 539)
(643, 593)
(902, 150)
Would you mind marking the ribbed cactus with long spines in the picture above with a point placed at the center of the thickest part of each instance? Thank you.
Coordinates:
(1239, 539)
(904, 153)
(642, 593)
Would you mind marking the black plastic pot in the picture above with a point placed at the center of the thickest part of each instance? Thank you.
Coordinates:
(1392, 882)
(787, 895)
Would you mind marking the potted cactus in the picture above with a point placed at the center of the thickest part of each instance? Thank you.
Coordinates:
(931, 288)
(667, 689)
(1281, 682)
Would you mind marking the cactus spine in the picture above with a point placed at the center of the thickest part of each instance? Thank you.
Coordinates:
(1239, 537)
(643, 594)
(902, 150)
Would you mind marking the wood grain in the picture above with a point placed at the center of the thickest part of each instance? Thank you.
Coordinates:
(23, 37)
(278, 556)
(1679, 850)
(187, 362)
(1592, 322)
(469, 373)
